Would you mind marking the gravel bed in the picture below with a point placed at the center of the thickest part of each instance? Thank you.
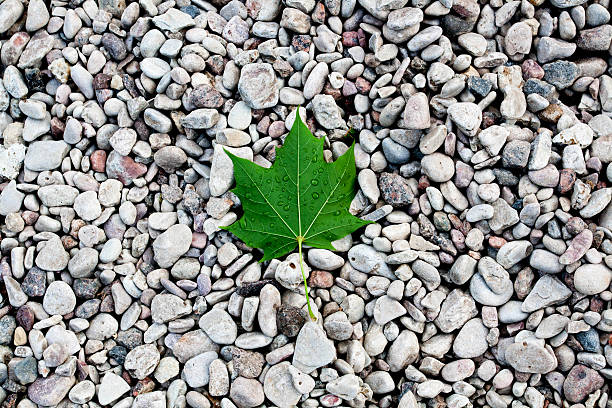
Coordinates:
(483, 147)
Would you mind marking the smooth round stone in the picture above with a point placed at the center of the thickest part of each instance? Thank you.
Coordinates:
(403, 351)
(219, 326)
(394, 152)
(111, 250)
(59, 298)
(278, 386)
(513, 252)
(511, 312)
(438, 167)
(154, 68)
(545, 261)
(365, 258)
(247, 392)
(590, 279)
(471, 341)
(240, 116)
(458, 370)
(83, 392)
(528, 357)
(485, 296)
(551, 326)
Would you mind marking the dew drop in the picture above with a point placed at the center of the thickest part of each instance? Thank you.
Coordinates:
(286, 178)
(314, 182)
(315, 196)
(286, 208)
(337, 213)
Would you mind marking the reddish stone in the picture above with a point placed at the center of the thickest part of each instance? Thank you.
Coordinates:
(349, 88)
(252, 43)
(206, 96)
(551, 113)
(283, 68)
(475, 254)
(567, 178)
(375, 116)
(333, 92)
(577, 248)
(597, 305)
(458, 239)
(594, 163)
(601, 184)
(124, 168)
(321, 279)
(141, 128)
(12, 49)
(446, 258)
(330, 400)
(350, 39)
(531, 69)
(318, 14)
(362, 85)
(489, 119)
(468, 9)
(276, 129)
(301, 42)
(143, 386)
(199, 240)
(25, 317)
(497, 242)
(515, 328)
(535, 236)
(69, 242)
(580, 382)
(98, 161)
(423, 183)
(330, 308)
(57, 127)
(29, 217)
(75, 226)
(264, 124)
(102, 81)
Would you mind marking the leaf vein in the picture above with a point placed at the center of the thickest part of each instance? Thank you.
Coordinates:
(264, 196)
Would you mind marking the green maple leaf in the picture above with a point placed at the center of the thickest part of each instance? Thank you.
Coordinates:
(301, 199)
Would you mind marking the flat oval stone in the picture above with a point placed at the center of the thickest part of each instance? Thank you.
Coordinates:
(513, 252)
(578, 247)
(50, 391)
(485, 296)
(438, 167)
(580, 382)
(591, 279)
(528, 357)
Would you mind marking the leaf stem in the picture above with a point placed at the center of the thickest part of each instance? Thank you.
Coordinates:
(300, 240)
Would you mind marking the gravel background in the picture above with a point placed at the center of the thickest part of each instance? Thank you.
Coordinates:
(483, 149)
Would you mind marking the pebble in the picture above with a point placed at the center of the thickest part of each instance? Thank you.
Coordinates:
(312, 348)
(112, 387)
